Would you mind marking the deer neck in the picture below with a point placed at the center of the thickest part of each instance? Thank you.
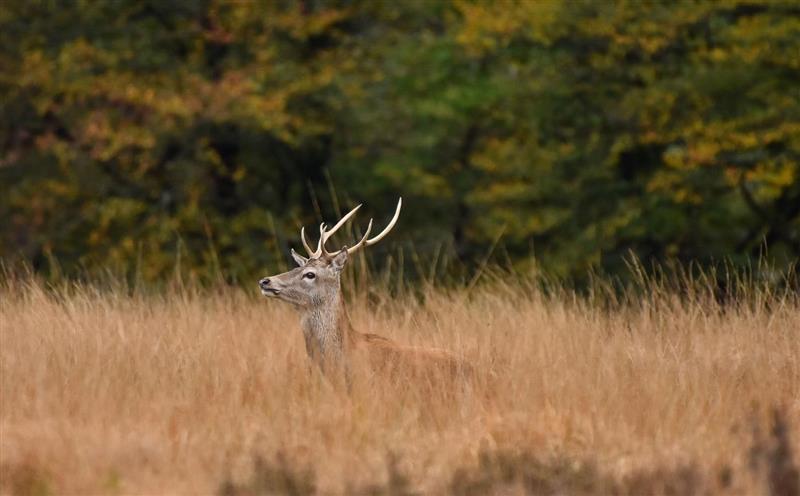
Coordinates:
(327, 330)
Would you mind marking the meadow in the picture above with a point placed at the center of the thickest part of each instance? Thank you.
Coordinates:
(663, 390)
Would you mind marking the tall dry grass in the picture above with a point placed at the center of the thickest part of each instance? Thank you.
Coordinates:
(104, 391)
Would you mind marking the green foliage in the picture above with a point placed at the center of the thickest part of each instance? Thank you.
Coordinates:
(137, 134)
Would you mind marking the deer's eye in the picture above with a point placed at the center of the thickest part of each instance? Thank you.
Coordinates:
(309, 275)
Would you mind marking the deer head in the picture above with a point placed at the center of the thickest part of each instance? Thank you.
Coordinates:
(316, 280)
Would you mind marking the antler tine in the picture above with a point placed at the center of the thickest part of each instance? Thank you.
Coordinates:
(321, 242)
(305, 243)
(325, 234)
(369, 242)
(331, 231)
(388, 228)
(357, 246)
(320, 248)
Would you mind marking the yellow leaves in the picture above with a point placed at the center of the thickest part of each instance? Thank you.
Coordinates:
(105, 137)
(232, 94)
(302, 25)
(686, 195)
(717, 54)
(653, 108)
(255, 94)
(116, 213)
(626, 28)
(37, 68)
(753, 36)
(495, 154)
(614, 224)
(701, 153)
(675, 157)
(647, 37)
(486, 26)
(732, 175)
(417, 179)
(80, 55)
(517, 154)
(776, 175)
(670, 183)
(239, 174)
(663, 180)
(501, 191)
(766, 36)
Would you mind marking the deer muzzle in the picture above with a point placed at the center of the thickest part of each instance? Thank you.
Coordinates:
(267, 289)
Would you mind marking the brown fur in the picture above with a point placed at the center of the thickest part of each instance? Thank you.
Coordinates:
(331, 341)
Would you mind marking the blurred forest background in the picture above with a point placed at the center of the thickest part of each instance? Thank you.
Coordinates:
(141, 136)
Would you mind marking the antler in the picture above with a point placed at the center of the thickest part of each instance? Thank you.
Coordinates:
(325, 234)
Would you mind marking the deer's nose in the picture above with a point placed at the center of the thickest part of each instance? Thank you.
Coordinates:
(264, 282)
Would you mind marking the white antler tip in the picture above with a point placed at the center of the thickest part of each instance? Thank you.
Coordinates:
(325, 233)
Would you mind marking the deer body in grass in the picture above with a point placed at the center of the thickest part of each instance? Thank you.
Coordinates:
(314, 288)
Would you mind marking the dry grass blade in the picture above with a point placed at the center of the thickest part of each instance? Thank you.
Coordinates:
(104, 392)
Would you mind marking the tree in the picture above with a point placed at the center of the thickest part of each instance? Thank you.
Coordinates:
(572, 131)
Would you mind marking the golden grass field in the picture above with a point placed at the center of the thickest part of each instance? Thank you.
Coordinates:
(210, 391)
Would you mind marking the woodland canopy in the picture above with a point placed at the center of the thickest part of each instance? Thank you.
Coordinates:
(150, 136)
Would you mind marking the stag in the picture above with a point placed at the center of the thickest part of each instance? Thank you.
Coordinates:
(314, 289)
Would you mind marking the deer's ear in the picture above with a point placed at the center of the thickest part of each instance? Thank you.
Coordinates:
(299, 259)
(339, 260)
